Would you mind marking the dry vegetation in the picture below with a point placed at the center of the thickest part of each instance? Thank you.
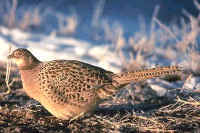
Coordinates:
(27, 21)
(32, 19)
(67, 25)
(136, 110)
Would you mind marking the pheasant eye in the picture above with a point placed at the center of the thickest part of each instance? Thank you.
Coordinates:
(17, 54)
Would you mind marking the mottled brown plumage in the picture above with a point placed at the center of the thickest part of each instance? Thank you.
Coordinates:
(68, 88)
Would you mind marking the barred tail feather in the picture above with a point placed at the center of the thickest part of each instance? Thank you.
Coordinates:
(135, 76)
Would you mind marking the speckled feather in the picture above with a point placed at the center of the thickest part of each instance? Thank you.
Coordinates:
(71, 81)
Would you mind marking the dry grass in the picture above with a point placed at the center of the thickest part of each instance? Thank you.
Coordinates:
(8, 67)
(67, 25)
(10, 18)
(26, 21)
(181, 116)
(97, 13)
(175, 44)
(30, 19)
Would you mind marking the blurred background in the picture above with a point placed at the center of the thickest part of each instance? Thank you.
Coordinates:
(114, 34)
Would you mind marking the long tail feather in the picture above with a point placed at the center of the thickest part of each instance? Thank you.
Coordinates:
(135, 76)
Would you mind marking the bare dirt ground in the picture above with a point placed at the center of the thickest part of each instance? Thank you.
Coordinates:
(176, 112)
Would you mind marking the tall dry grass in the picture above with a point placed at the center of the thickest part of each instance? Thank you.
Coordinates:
(67, 25)
(177, 44)
(29, 19)
(10, 17)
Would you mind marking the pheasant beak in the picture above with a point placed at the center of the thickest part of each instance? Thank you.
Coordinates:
(11, 56)
(18, 61)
